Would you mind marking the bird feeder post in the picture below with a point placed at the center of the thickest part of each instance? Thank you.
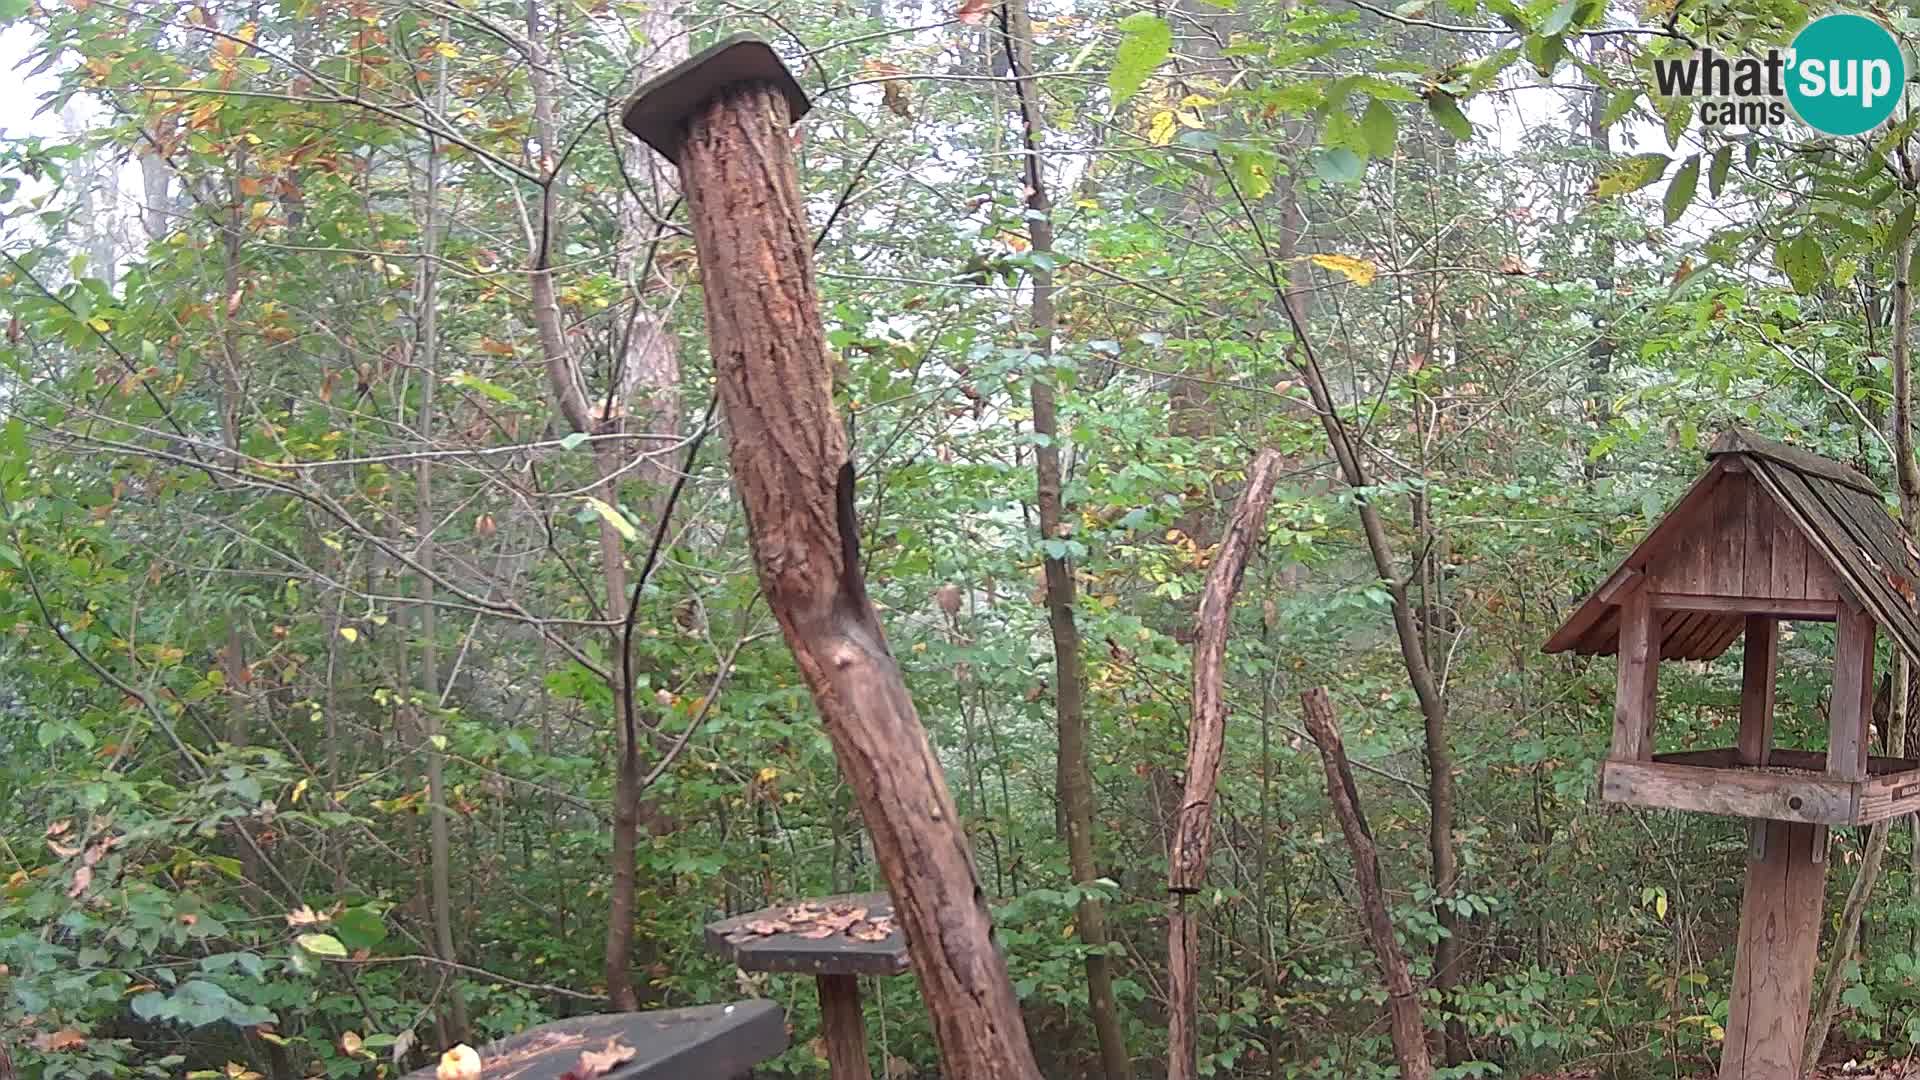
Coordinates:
(723, 117)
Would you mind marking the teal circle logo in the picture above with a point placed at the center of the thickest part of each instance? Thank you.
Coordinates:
(1845, 74)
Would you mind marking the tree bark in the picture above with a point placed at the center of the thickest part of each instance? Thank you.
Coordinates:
(1206, 745)
(789, 454)
(1403, 1008)
(1074, 779)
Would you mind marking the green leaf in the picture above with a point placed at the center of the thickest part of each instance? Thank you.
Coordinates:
(484, 388)
(1378, 128)
(1803, 261)
(1446, 112)
(1147, 41)
(614, 518)
(1717, 174)
(1340, 166)
(574, 441)
(1630, 174)
(152, 1003)
(322, 945)
(360, 928)
(1560, 17)
(1680, 189)
(1618, 106)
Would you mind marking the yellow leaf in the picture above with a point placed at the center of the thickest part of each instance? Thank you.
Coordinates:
(299, 789)
(769, 774)
(1719, 1033)
(1191, 120)
(614, 518)
(1358, 271)
(1161, 128)
(100, 324)
(350, 633)
(1660, 905)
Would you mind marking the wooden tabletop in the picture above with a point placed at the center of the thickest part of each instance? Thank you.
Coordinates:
(706, 1042)
(852, 934)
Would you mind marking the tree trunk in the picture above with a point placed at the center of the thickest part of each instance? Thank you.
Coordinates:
(1206, 746)
(427, 323)
(649, 359)
(1074, 770)
(790, 461)
(1403, 1007)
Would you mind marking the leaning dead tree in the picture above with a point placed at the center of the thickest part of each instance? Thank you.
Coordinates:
(1206, 745)
(1403, 1007)
(722, 118)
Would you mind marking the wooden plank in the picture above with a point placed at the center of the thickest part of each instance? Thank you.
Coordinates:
(1758, 579)
(1739, 441)
(1851, 710)
(1758, 663)
(1711, 635)
(1788, 551)
(1718, 757)
(1890, 795)
(1672, 630)
(1773, 969)
(1636, 683)
(1728, 757)
(1725, 548)
(1822, 610)
(706, 1042)
(842, 1027)
(1575, 633)
(1816, 800)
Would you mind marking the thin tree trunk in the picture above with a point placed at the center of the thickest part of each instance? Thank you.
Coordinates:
(1403, 1007)
(1075, 772)
(1907, 471)
(427, 320)
(1206, 746)
(789, 453)
(649, 358)
(1413, 655)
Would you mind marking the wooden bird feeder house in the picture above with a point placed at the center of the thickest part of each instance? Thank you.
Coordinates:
(1768, 534)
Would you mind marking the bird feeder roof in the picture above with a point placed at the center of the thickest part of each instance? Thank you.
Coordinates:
(1768, 529)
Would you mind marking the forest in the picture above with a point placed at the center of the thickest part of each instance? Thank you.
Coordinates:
(398, 633)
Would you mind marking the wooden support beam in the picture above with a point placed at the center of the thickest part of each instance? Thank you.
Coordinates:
(1637, 684)
(1773, 970)
(1851, 709)
(1777, 607)
(842, 1027)
(1757, 665)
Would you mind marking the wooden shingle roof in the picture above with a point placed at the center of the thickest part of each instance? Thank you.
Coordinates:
(1767, 527)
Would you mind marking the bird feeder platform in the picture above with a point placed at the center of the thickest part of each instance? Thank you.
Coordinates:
(706, 1042)
(836, 939)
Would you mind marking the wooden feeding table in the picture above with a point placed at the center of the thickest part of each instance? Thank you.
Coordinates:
(707, 1042)
(1768, 534)
(836, 939)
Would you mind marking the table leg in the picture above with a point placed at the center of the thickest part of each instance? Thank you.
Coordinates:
(842, 1027)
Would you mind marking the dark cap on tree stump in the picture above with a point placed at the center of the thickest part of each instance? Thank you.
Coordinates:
(658, 111)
